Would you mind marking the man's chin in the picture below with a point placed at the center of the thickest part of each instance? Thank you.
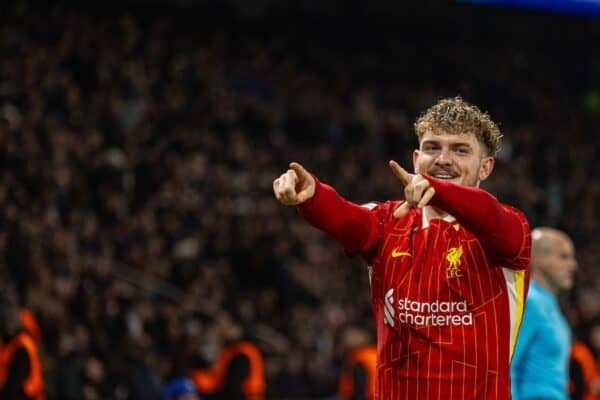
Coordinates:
(456, 181)
(459, 180)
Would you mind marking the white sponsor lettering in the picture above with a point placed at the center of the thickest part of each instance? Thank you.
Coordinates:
(388, 308)
(435, 313)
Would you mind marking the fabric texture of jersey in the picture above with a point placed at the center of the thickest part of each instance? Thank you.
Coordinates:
(447, 302)
(540, 367)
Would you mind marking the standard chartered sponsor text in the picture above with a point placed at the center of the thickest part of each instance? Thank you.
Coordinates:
(435, 313)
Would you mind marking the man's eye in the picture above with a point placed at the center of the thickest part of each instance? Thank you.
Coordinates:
(462, 150)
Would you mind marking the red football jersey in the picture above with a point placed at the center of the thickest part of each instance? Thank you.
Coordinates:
(447, 293)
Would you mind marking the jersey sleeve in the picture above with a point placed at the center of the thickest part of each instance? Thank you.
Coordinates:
(357, 228)
(502, 230)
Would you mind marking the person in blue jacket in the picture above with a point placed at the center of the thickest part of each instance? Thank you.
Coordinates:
(181, 388)
(540, 364)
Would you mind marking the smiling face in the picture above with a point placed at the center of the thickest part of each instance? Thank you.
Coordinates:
(458, 158)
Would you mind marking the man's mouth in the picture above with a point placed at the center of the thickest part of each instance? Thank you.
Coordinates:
(443, 175)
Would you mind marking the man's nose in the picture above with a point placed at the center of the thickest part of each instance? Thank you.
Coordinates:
(574, 265)
(444, 158)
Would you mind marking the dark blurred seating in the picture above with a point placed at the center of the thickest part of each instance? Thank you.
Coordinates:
(138, 151)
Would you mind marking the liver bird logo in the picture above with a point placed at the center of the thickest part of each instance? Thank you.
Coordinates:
(453, 257)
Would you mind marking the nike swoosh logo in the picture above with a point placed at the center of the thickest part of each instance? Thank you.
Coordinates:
(398, 253)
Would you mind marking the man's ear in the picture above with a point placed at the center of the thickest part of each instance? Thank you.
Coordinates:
(415, 157)
(486, 167)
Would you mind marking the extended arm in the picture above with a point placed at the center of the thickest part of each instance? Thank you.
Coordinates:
(501, 230)
(498, 228)
(353, 226)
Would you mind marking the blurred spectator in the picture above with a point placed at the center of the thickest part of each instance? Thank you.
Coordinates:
(238, 373)
(584, 374)
(181, 389)
(20, 367)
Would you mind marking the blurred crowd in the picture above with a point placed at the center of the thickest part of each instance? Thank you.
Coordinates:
(137, 155)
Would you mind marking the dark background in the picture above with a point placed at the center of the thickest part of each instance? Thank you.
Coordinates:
(139, 141)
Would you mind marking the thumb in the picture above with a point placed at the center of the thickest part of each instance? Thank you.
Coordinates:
(402, 210)
(304, 195)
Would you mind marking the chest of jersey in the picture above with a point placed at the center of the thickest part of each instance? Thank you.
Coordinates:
(432, 273)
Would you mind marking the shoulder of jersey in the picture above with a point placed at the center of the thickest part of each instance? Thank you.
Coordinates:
(369, 206)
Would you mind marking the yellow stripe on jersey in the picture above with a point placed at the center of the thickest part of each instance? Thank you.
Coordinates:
(519, 276)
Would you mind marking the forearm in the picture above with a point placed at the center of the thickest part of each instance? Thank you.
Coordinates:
(353, 226)
(495, 225)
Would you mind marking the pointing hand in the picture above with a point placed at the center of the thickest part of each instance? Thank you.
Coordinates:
(417, 190)
(295, 186)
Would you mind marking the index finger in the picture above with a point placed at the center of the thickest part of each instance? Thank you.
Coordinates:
(404, 177)
(299, 170)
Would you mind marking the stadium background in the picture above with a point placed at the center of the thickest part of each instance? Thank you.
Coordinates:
(139, 141)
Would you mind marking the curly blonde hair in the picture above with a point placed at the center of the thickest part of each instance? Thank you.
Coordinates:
(456, 116)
